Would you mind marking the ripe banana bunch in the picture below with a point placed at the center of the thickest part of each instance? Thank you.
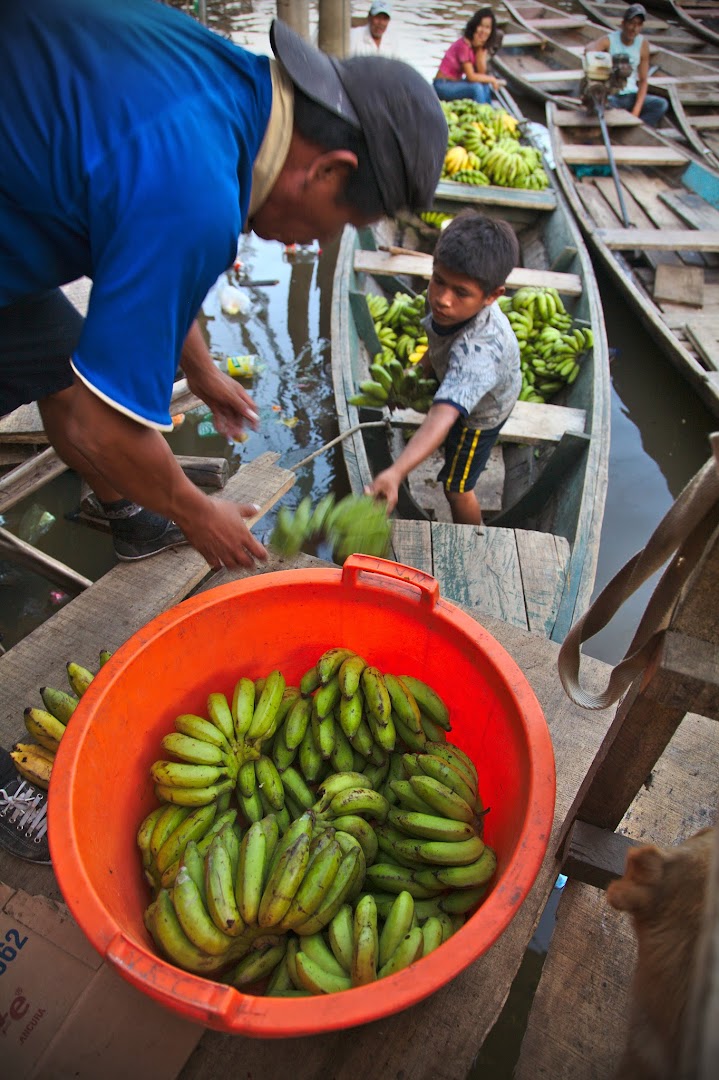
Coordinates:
(455, 159)
(550, 346)
(34, 761)
(485, 148)
(357, 523)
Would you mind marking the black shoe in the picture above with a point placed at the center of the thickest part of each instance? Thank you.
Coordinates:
(129, 550)
(23, 817)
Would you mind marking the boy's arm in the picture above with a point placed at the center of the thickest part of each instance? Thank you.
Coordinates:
(428, 437)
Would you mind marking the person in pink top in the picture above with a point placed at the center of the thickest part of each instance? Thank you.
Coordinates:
(464, 71)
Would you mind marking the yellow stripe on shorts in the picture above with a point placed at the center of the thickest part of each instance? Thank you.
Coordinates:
(470, 456)
(453, 466)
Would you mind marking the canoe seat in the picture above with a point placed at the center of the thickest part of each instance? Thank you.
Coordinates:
(420, 265)
(517, 41)
(660, 239)
(573, 75)
(595, 154)
(529, 423)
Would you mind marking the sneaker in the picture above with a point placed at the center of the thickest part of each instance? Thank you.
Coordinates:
(129, 550)
(23, 820)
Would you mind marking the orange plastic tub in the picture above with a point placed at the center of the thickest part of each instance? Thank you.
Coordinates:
(391, 614)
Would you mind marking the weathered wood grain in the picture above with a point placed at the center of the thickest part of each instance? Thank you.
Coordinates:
(529, 423)
(380, 262)
(543, 559)
(479, 568)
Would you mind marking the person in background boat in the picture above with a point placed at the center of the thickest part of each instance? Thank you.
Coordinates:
(473, 353)
(376, 36)
(464, 70)
(140, 149)
(628, 41)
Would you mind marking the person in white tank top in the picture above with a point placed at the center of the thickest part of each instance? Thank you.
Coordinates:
(628, 41)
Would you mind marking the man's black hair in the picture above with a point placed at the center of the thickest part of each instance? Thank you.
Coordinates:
(485, 249)
(331, 132)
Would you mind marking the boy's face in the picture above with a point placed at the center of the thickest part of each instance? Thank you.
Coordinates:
(453, 298)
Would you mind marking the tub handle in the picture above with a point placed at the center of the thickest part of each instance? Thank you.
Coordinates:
(370, 564)
(201, 1001)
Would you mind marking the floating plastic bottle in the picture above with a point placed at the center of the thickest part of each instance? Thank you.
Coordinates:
(234, 301)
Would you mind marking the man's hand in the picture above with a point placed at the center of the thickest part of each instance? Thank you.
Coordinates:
(221, 536)
(386, 485)
(232, 407)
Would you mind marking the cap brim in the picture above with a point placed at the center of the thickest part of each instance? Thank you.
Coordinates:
(312, 71)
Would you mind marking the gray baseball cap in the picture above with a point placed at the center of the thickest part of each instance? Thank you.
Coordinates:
(396, 110)
(635, 11)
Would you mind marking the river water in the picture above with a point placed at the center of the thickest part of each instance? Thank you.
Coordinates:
(658, 434)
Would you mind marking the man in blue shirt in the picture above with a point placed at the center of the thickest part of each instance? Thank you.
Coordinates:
(135, 146)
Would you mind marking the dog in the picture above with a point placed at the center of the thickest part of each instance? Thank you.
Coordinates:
(663, 889)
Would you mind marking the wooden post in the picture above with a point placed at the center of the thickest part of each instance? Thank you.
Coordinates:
(334, 27)
(296, 13)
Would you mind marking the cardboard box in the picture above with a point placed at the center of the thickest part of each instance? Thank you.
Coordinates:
(66, 1013)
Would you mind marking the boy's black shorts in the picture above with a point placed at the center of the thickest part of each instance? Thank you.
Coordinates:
(466, 452)
(38, 336)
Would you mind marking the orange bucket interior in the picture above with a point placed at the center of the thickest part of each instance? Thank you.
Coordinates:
(393, 616)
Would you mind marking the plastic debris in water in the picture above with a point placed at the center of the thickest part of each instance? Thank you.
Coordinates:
(290, 421)
(34, 523)
(234, 301)
(178, 419)
(57, 596)
(244, 367)
(206, 429)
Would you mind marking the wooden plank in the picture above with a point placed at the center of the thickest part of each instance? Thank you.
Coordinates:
(558, 23)
(412, 544)
(679, 284)
(709, 122)
(567, 76)
(691, 208)
(582, 118)
(420, 265)
(529, 423)
(543, 559)
(18, 551)
(494, 196)
(686, 670)
(28, 477)
(588, 154)
(705, 340)
(659, 239)
(595, 856)
(15, 455)
(478, 567)
(521, 40)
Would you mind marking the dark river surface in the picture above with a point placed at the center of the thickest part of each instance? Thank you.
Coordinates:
(658, 434)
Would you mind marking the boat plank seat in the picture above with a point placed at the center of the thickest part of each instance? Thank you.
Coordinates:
(682, 80)
(483, 568)
(420, 265)
(530, 423)
(521, 40)
(565, 76)
(582, 118)
(585, 154)
(517, 198)
(691, 208)
(660, 239)
(710, 122)
(558, 23)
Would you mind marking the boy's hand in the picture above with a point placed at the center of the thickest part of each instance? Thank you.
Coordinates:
(385, 486)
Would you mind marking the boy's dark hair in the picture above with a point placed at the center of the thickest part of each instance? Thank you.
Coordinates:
(331, 132)
(485, 249)
(483, 13)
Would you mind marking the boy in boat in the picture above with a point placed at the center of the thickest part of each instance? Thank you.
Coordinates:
(474, 355)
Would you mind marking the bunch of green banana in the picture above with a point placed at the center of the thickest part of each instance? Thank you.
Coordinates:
(394, 381)
(224, 750)
(550, 345)
(357, 523)
(165, 832)
(437, 220)
(34, 761)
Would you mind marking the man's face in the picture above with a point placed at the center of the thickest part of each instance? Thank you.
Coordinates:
(377, 25)
(631, 28)
(304, 219)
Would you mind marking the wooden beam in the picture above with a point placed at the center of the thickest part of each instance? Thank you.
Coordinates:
(582, 118)
(568, 76)
(590, 154)
(659, 239)
(529, 422)
(28, 477)
(595, 856)
(687, 671)
(26, 555)
(420, 264)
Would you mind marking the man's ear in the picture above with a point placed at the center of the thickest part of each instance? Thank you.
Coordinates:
(332, 168)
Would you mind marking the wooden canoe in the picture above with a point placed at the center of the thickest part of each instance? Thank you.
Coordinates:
(661, 28)
(533, 563)
(667, 262)
(550, 67)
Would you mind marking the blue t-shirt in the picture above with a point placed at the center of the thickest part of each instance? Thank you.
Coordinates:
(128, 133)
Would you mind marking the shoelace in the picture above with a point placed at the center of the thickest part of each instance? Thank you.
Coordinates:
(29, 810)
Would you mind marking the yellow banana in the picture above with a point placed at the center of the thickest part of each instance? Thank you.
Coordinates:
(79, 677)
(32, 766)
(44, 727)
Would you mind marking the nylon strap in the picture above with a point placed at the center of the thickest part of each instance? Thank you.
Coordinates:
(680, 537)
